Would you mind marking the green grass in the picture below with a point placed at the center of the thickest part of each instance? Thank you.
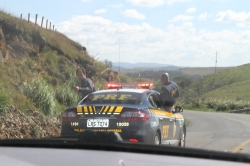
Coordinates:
(201, 71)
(215, 105)
(4, 101)
(40, 78)
(230, 83)
(40, 93)
(236, 91)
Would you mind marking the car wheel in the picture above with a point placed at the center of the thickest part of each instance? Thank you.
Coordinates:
(157, 139)
(183, 139)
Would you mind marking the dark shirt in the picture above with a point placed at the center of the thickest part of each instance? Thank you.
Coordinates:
(86, 87)
(169, 91)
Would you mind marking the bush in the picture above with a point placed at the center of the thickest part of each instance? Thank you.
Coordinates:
(4, 101)
(41, 94)
(222, 107)
(211, 105)
(66, 95)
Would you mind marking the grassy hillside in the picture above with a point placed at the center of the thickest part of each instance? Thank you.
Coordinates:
(223, 91)
(201, 71)
(236, 91)
(225, 81)
(37, 67)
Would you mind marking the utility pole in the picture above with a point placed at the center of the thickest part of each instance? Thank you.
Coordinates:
(216, 61)
(119, 49)
(120, 45)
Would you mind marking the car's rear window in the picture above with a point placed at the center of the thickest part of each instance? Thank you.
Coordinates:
(131, 98)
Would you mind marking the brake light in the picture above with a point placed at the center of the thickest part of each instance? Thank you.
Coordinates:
(133, 140)
(69, 116)
(112, 85)
(134, 116)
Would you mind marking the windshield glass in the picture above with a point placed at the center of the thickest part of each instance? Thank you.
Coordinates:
(113, 98)
(67, 67)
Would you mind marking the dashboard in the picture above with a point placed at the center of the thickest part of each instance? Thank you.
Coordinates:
(65, 157)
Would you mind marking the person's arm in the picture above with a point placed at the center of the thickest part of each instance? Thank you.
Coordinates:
(177, 91)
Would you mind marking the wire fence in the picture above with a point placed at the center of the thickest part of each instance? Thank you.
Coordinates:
(48, 24)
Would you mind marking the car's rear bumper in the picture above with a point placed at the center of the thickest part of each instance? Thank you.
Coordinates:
(142, 135)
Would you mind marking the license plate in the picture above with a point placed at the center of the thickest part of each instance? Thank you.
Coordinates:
(97, 123)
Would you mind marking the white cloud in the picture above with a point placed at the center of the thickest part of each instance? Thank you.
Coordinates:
(243, 25)
(154, 3)
(231, 16)
(116, 5)
(133, 14)
(187, 25)
(203, 16)
(100, 11)
(181, 18)
(191, 10)
(180, 45)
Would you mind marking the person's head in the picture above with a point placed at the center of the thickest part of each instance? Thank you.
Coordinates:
(165, 78)
(81, 73)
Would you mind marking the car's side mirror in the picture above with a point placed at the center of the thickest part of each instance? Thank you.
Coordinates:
(178, 109)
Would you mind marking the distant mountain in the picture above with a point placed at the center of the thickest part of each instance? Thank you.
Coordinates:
(143, 66)
(116, 68)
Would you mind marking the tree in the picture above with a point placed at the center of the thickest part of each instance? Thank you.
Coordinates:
(108, 63)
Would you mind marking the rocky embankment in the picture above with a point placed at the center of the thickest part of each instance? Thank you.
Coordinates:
(15, 124)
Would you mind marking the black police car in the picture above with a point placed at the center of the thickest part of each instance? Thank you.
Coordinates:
(136, 114)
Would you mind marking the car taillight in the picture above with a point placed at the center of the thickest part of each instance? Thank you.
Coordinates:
(134, 116)
(69, 116)
(133, 140)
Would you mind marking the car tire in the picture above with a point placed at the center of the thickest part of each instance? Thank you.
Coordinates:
(157, 139)
(183, 138)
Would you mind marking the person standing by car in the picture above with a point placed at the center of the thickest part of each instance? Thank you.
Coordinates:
(169, 92)
(87, 85)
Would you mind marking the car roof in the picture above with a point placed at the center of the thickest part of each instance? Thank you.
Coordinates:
(124, 90)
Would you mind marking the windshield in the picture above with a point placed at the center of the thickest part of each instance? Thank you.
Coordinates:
(113, 98)
(161, 72)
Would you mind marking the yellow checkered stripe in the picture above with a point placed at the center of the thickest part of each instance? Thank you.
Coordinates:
(107, 110)
(162, 113)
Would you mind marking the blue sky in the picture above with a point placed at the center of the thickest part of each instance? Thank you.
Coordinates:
(177, 32)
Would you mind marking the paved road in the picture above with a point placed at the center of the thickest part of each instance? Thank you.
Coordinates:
(218, 131)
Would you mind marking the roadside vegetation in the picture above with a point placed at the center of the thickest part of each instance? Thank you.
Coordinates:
(37, 67)
(4, 100)
(224, 91)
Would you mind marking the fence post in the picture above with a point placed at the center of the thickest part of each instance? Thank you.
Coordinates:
(42, 22)
(36, 19)
(21, 16)
(46, 24)
(28, 18)
(50, 25)
(53, 27)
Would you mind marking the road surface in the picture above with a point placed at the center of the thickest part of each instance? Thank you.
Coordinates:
(218, 131)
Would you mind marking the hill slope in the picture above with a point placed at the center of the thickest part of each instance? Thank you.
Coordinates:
(231, 83)
(201, 71)
(37, 67)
